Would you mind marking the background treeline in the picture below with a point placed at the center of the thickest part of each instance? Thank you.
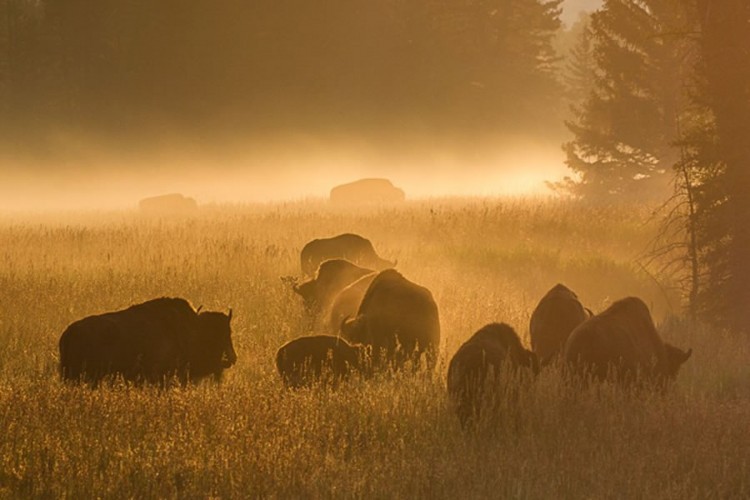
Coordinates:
(660, 93)
(122, 65)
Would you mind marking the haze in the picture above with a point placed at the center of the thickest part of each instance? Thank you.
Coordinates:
(225, 104)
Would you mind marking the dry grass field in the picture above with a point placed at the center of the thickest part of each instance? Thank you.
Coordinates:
(390, 437)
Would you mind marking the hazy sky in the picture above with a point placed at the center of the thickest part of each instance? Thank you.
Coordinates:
(86, 172)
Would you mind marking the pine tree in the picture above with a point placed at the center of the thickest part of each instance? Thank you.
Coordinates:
(720, 154)
(624, 130)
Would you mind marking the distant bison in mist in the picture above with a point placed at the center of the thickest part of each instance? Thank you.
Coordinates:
(399, 319)
(484, 366)
(168, 203)
(150, 342)
(621, 344)
(367, 191)
(351, 247)
(333, 276)
(324, 359)
(556, 315)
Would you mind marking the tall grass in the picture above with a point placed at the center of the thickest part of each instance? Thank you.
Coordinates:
(484, 260)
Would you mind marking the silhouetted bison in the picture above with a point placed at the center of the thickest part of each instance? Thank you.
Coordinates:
(149, 342)
(399, 319)
(621, 344)
(320, 358)
(346, 303)
(333, 276)
(351, 247)
(366, 191)
(168, 203)
(483, 367)
(556, 315)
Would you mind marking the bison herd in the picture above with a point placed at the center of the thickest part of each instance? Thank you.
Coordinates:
(376, 320)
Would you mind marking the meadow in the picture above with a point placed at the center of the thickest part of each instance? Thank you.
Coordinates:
(391, 437)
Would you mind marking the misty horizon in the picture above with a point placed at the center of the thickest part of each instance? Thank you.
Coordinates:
(233, 103)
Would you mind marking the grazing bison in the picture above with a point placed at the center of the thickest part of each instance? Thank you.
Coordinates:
(319, 358)
(621, 344)
(556, 315)
(149, 342)
(333, 276)
(351, 247)
(366, 191)
(168, 203)
(347, 301)
(399, 319)
(484, 366)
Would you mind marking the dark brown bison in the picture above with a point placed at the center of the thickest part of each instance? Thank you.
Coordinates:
(367, 191)
(347, 301)
(556, 315)
(351, 247)
(399, 319)
(151, 342)
(621, 344)
(168, 203)
(333, 276)
(324, 359)
(483, 367)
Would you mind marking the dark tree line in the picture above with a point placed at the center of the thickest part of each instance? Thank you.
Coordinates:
(668, 104)
(122, 65)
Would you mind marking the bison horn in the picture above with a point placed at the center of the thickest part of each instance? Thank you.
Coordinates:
(230, 314)
(199, 308)
(343, 322)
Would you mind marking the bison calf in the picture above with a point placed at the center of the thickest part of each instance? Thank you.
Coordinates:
(484, 367)
(622, 345)
(319, 358)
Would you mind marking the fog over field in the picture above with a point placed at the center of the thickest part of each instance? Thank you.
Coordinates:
(249, 103)
(286, 168)
(375, 249)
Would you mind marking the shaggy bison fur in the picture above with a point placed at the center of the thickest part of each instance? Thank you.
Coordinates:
(621, 344)
(150, 342)
(483, 367)
(351, 247)
(399, 319)
(556, 315)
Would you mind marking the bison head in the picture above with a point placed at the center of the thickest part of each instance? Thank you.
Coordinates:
(308, 292)
(674, 357)
(212, 349)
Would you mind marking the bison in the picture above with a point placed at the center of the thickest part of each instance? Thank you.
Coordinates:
(348, 300)
(168, 203)
(484, 366)
(333, 276)
(152, 342)
(399, 319)
(556, 315)
(367, 191)
(621, 344)
(319, 358)
(351, 247)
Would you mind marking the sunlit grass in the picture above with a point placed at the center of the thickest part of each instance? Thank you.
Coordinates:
(485, 260)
